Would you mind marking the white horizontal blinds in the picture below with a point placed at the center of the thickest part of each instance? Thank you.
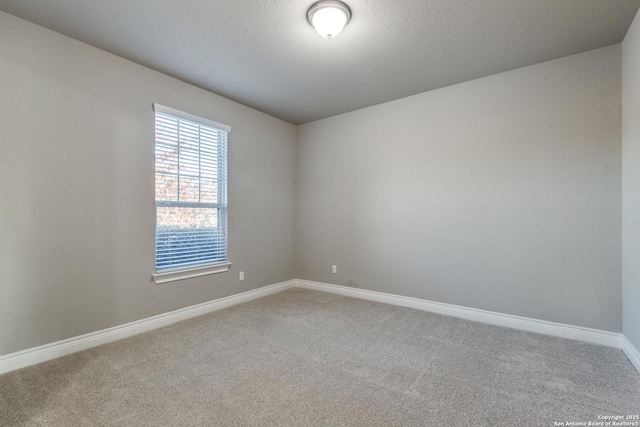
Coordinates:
(191, 191)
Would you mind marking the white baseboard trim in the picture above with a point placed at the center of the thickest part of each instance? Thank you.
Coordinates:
(594, 336)
(632, 353)
(32, 356)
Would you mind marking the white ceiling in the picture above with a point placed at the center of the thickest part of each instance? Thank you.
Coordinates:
(264, 54)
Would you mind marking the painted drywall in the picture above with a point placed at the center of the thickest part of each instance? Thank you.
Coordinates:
(77, 186)
(501, 194)
(631, 183)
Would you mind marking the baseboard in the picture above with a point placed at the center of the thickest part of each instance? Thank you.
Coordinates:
(32, 356)
(21, 359)
(594, 336)
(631, 352)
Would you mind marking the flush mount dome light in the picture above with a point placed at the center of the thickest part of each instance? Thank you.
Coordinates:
(328, 17)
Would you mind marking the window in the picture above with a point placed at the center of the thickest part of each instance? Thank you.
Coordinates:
(191, 195)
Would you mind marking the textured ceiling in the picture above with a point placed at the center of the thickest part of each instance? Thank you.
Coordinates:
(263, 53)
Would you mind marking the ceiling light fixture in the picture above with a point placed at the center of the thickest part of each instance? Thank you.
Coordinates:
(328, 17)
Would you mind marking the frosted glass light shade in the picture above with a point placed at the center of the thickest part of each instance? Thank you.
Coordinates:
(328, 17)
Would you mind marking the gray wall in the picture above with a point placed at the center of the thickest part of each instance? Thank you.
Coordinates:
(501, 193)
(76, 177)
(631, 183)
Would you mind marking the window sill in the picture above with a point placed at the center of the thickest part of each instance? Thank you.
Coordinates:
(172, 276)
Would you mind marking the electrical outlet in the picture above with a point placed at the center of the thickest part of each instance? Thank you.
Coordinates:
(242, 275)
(334, 269)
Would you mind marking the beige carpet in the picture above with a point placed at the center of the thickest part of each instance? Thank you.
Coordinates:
(305, 358)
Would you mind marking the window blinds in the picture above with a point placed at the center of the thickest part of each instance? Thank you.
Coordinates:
(191, 190)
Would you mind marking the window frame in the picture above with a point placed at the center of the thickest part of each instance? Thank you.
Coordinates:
(169, 274)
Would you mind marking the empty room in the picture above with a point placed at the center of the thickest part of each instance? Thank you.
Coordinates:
(319, 213)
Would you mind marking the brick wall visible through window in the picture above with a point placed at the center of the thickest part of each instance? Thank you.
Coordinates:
(190, 190)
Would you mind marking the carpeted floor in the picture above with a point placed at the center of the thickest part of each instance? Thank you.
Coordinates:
(306, 358)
